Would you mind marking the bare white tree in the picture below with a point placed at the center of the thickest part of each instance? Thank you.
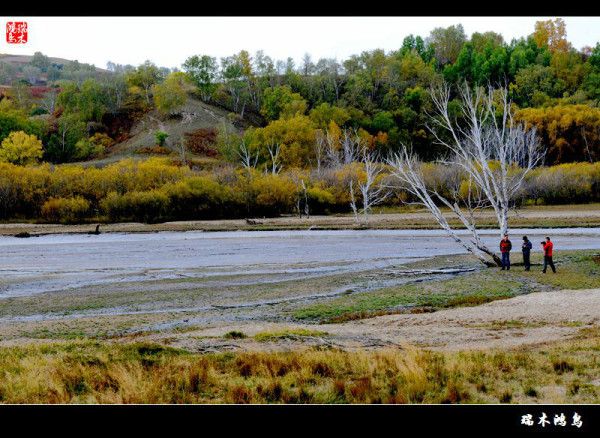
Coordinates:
(489, 147)
(407, 170)
(352, 146)
(305, 194)
(353, 201)
(493, 150)
(274, 150)
(247, 159)
(32, 74)
(320, 148)
(587, 146)
(344, 149)
(48, 102)
(182, 151)
(372, 189)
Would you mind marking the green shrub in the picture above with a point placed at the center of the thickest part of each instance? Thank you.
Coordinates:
(565, 183)
(161, 137)
(86, 149)
(234, 334)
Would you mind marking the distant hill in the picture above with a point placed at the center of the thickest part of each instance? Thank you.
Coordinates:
(18, 67)
(22, 60)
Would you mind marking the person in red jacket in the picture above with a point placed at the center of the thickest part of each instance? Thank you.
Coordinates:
(548, 246)
(505, 247)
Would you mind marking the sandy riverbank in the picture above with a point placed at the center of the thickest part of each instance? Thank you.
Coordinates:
(586, 215)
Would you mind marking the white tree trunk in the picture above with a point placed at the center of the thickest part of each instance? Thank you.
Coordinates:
(489, 147)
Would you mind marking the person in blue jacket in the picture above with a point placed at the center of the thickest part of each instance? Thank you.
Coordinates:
(526, 249)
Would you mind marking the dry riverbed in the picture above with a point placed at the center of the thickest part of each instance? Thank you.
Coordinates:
(440, 303)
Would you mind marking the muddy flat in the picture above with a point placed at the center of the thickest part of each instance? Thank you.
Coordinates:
(292, 289)
(532, 319)
(65, 262)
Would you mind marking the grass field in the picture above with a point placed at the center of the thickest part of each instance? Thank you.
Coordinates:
(578, 270)
(100, 372)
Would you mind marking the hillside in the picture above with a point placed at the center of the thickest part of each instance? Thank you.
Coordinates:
(192, 116)
(23, 60)
(382, 99)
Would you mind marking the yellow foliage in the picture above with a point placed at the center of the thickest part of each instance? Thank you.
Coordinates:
(273, 192)
(568, 131)
(295, 135)
(66, 210)
(172, 93)
(551, 34)
(571, 182)
(320, 195)
(147, 206)
(20, 148)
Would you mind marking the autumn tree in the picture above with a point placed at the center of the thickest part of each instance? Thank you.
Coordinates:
(569, 69)
(568, 132)
(294, 136)
(535, 84)
(20, 148)
(115, 88)
(32, 74)
(325, 113)
(13, 118)
(7, 73)
(61, 145)
(486, 39)
(551, 34)
(20, 93)
(87, 101)
(233, 74)
(172, 93)
(40, 61)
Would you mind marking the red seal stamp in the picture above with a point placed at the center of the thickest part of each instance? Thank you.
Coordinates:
(16, 32)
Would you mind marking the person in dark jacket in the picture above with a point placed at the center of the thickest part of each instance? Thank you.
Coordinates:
(548, 246)
(526, 249)
(505, 247)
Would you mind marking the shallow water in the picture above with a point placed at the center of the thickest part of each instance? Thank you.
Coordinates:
(58, 262)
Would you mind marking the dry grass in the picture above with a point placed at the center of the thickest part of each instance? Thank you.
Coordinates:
(288, 334)
(576, 270)
(95, 372)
